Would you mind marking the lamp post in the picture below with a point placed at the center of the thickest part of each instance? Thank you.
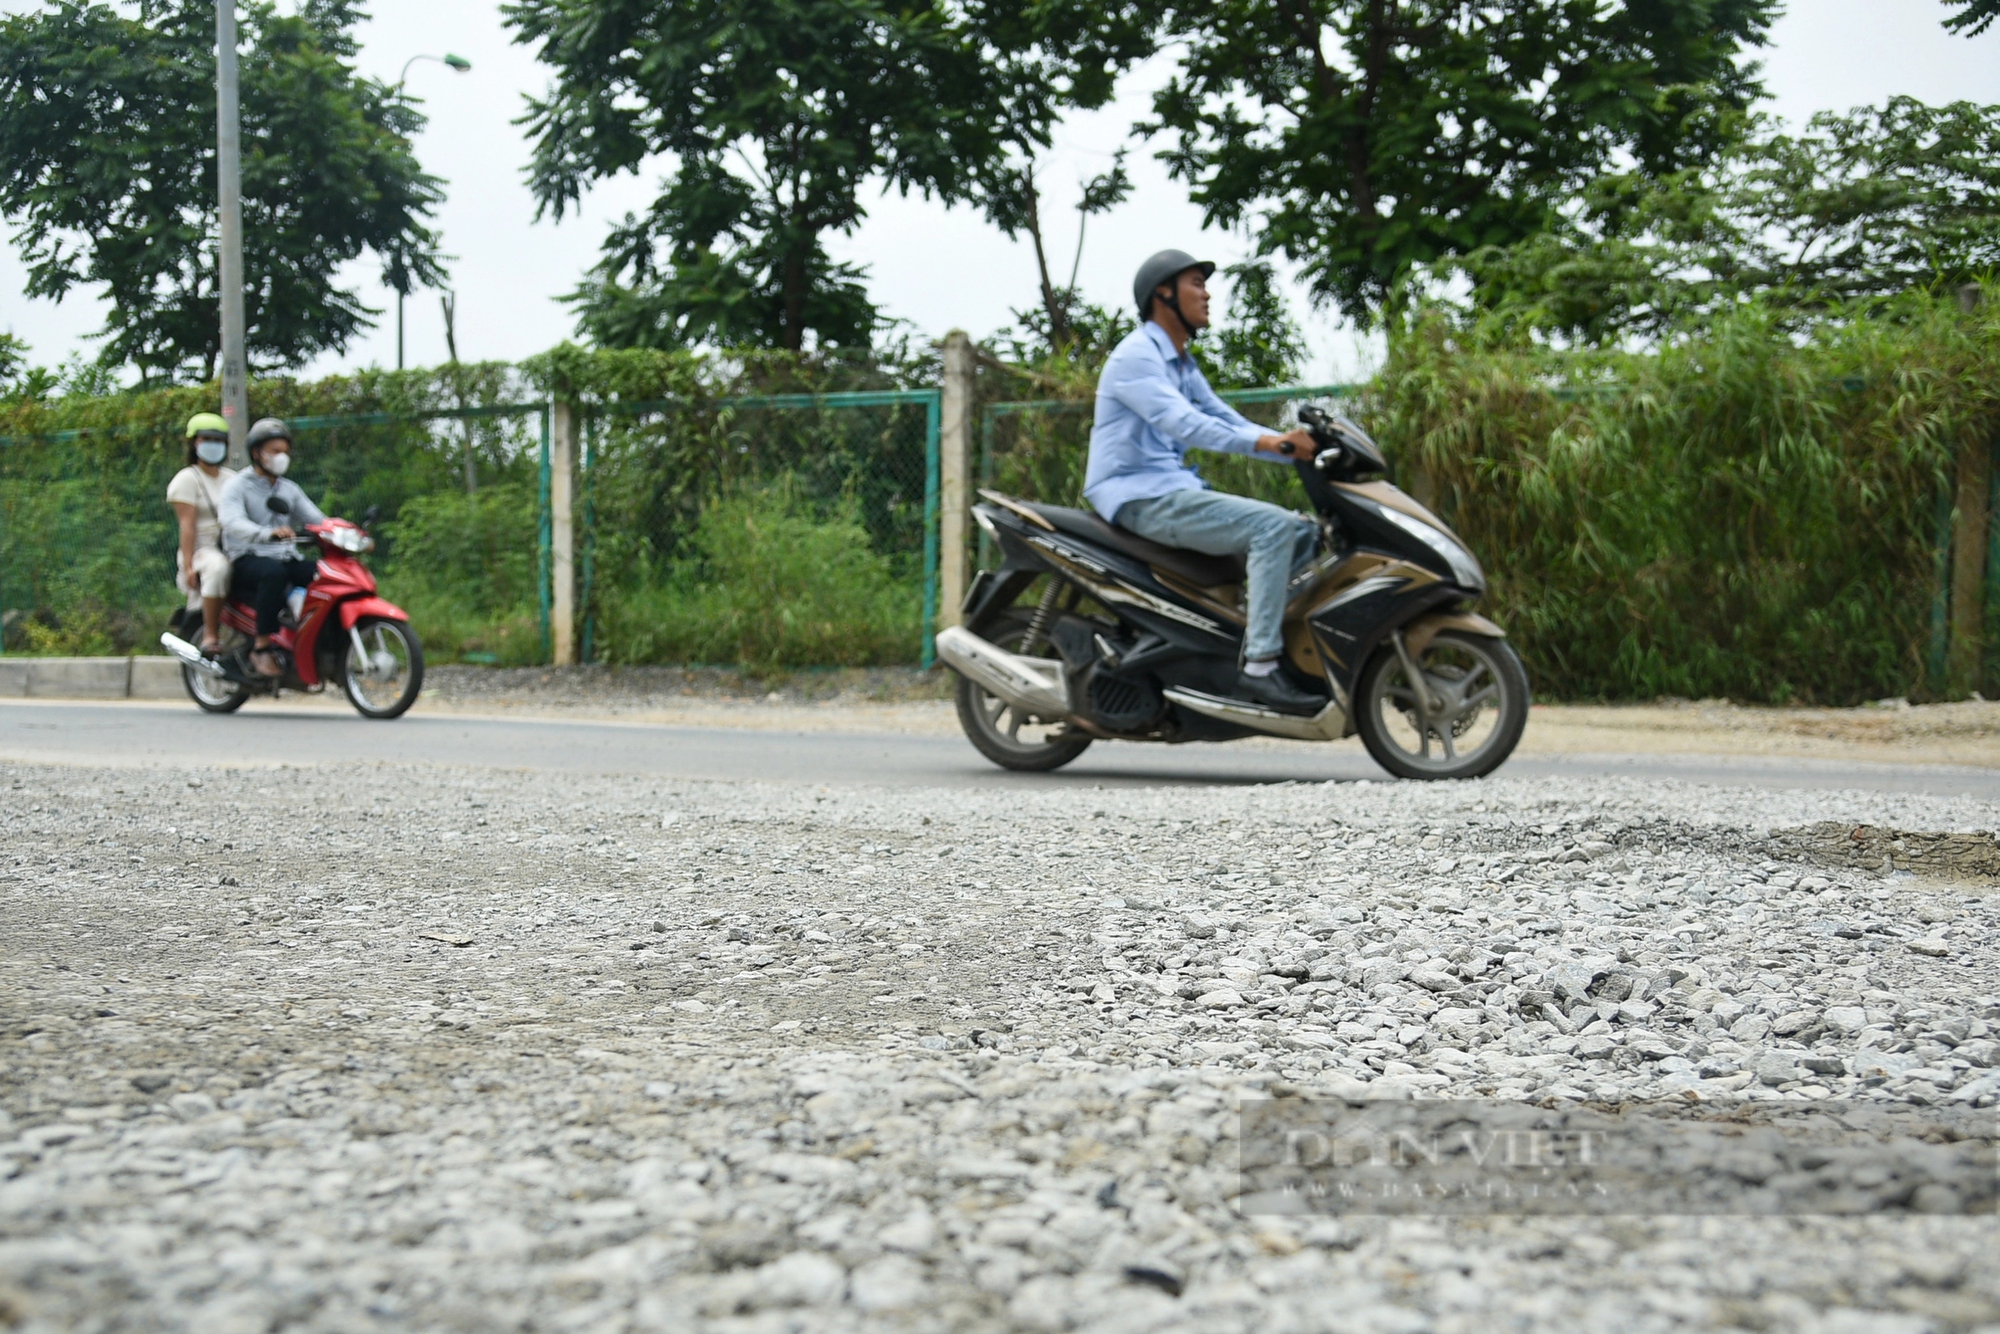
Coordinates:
(458, 64)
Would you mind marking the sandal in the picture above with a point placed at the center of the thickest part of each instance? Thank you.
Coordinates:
(211, 648)
(265, 663)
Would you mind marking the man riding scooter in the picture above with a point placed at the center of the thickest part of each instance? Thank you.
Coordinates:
(259, 509)
(1153, 405)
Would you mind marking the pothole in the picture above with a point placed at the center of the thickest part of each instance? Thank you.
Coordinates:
(1967, 857)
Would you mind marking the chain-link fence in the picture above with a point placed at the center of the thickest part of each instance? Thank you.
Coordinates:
(87, 539)
(772, 530)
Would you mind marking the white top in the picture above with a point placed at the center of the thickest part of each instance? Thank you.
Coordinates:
(192, 486)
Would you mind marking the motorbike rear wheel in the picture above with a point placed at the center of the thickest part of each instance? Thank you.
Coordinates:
(384, 683)
(214, 694)
(995, 727)
(1468, 723)
(210, 692)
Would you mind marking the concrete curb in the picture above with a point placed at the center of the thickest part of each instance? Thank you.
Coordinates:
(90, 678)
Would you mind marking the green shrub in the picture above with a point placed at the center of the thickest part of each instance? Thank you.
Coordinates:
(464, 567)
(1742, 513)
(770, 584)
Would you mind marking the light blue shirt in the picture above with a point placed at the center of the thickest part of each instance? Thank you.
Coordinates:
(1153, 405)
(247, 518)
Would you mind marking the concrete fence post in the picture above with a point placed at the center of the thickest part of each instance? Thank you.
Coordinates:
(562, 534)
(954, 477)
(1970, 521)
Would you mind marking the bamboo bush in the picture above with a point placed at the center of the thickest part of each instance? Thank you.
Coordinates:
(1742, 513)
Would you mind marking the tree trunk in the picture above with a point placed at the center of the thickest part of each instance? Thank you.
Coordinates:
(449, 300)
(1058, 309)
(793, 317)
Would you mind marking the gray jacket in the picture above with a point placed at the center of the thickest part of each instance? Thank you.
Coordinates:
(247, 519)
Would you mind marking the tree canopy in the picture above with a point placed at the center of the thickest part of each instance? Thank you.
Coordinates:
(1879, 201)
(771, 117)
(1973, 16)
(107, 167)
(1362, 138)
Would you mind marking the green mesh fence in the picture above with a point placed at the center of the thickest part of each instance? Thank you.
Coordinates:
(87, 539)
(808, 522)
(778, 530)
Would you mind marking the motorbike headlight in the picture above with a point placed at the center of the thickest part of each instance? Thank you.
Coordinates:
(350, 539)
(1464, 567)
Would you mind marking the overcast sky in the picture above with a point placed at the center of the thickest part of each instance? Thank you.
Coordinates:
(935, 267)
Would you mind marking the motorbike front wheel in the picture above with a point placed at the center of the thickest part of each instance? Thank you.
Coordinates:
(1004, 734)
(382, 668)
(1464, 725)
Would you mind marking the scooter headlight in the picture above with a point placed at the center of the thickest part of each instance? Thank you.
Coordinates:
(350, 539)
(1464, 567)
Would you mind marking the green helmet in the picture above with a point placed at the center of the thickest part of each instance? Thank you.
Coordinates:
(206, 422)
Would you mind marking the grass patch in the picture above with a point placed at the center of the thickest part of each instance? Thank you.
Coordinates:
(770, 583)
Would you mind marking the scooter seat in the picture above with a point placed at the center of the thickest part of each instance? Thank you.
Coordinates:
(1197, 567)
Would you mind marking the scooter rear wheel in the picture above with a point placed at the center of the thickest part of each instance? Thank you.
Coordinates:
(1002, 733)
(383, 683)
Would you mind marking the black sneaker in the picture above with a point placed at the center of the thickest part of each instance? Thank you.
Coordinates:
(1273, 691)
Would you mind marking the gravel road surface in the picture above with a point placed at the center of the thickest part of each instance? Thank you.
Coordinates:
(333, 1045)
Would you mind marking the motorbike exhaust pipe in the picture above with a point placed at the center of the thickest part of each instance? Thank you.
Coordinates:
(189, 654)
(1035, 685)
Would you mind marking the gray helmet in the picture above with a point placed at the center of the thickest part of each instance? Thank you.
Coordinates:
(264, 430)
(1164, 267)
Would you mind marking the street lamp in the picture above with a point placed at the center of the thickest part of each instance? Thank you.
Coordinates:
(458, 64)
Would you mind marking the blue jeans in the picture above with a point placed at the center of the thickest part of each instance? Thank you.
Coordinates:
(1276, 543)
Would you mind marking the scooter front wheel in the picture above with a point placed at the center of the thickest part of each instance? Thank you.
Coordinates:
(1464, 723)
(382, 668)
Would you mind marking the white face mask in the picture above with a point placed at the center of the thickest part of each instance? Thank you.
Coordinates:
(275, 464)
(211, 451)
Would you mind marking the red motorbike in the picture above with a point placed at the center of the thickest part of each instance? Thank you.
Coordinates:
(342, 632)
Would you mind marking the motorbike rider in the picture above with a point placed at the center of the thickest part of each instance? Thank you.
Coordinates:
(1154, 404)
(196, 495)
(262, 540)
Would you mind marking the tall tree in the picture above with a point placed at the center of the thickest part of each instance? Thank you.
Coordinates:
(107, 167)
(1259, 344)
(772, 117)
(1361, 138)
(1973, 17)
(1868, 204)
(1013, 202)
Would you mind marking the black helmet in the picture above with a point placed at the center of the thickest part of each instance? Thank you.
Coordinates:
(264, 430)
(1161, 268)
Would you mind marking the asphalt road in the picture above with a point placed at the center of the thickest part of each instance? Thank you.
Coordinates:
(177, 734)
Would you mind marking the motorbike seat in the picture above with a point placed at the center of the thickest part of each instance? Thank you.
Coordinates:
(1197, 567)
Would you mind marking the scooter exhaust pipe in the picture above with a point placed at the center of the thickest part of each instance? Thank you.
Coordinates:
(189, 654)
(1035, 685)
